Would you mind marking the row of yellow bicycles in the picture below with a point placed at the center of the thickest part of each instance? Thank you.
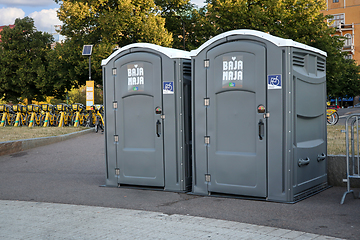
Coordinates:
(48, 115)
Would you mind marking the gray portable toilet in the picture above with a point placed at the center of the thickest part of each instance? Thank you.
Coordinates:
(148, 117)
(259, 117)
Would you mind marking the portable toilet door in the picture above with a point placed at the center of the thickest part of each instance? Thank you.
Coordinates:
(136, 77)
(235, 128)
(142, 151)
(244, 117)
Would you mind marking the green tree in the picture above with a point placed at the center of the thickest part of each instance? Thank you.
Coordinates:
(23, 61)
(113, 21)
(348, 82)
(178, 15)
(69, 69)
(78, 95)
(200, 30)
(104, 24)
(299, 20)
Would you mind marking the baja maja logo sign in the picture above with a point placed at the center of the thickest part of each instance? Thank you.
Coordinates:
(135, 77)
(232, 75)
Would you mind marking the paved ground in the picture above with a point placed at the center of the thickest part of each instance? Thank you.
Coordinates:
(28, 220)
(345, 112)
(70, 172)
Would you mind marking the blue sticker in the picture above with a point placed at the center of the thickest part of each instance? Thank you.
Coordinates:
(168, 88)
(274, 81)
(135, 88)
(232, 84)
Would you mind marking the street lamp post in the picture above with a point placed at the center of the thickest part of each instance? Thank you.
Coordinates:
(89, 67)
(87, 50)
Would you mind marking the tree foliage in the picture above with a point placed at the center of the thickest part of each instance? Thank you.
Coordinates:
(23, 61)
(178, 21)
(31, 70)
(299, 20)
(113, 21)
(104, 24)
(78, 95)
(347, 83)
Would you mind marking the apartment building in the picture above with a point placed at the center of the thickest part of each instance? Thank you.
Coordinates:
(347, 23)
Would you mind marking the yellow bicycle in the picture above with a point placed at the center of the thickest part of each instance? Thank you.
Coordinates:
(48, 118)
(6, 113)
(78, 118)
(63, 118)
(19, 119)
(332, 116)
(34, 117)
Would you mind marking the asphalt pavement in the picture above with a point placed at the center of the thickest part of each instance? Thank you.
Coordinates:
(72, 172)
(345, 112)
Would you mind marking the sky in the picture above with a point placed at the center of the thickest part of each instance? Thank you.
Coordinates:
(42, 11)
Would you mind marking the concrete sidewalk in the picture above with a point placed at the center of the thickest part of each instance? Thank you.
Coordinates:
(36, 220)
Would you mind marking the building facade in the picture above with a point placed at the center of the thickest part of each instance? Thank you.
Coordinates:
(347, 23)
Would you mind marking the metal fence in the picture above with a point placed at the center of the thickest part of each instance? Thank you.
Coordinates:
(352, 152)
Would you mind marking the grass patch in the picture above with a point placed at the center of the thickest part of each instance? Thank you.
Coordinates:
(337, 140)
(10, 133)
(336, 144)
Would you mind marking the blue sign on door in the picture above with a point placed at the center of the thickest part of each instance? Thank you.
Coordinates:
(168, 88)
(274, 81)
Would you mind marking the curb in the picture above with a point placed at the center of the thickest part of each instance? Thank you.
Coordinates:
(10, 147)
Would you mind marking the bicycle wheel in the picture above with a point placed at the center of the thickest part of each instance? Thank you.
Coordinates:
(73, 120)
(23, 120)
(52, 121)
(5, 120)
(70, 123)
(328, 119)
(42, 120)
(82, 121)
(89, 121)
(101, 125)
(38, 120)
(57, 121)
(336, 117)
(27, 120)
(66, 121)
(13, 118)
(97, 124)
(9, 119)
(333, 118)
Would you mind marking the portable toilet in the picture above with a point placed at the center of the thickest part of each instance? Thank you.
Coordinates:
(259, 117)
(148, 117)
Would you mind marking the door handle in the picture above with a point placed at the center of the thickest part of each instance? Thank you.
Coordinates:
(158, 128)
(303, 162)
(321, 157)
(261, 129)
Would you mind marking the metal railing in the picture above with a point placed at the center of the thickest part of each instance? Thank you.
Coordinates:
(352, 153)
